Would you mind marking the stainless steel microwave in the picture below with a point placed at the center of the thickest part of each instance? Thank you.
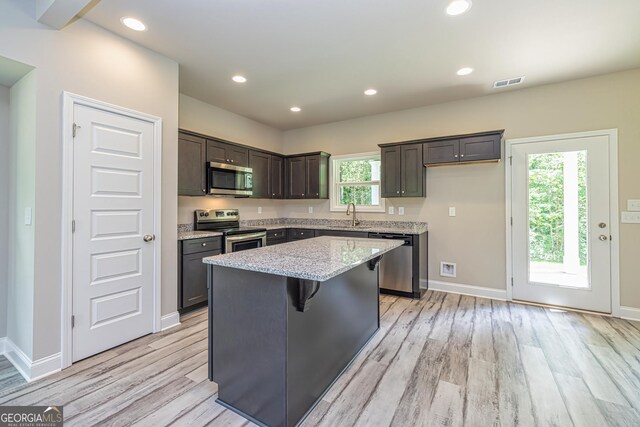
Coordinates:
(229, 180)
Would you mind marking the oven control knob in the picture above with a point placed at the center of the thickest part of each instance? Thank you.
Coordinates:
(206, 214)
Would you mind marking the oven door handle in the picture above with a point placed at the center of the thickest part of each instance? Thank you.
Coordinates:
(246, 237)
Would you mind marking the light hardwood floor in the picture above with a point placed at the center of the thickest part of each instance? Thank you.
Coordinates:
(446, 360)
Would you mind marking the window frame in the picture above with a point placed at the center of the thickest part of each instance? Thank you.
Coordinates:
(335, 184)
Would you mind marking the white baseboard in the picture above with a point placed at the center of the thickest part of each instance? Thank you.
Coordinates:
(169, 320)
(458, 288)
(30, 370)
(630, 313)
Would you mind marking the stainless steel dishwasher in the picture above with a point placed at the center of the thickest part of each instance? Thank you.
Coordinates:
(396, 267)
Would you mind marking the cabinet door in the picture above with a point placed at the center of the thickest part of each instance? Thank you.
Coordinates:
(478, 148)
(442, 152)
(261, 164)
(312, 164)
(413, 171)
(217, 152)
(296, 177)
(390, 172)
(192, 179)
(194, 278)
(238, 156)
(342, 233)
(276, 187)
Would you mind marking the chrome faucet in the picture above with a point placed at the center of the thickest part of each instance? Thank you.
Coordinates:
(354, 220)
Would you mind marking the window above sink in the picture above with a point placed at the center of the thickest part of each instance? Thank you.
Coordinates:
(355, 178)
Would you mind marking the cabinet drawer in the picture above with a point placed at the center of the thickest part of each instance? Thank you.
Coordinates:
(272, 242)
(194, 246)
(342, 233)
(300, 233)
(277, 234)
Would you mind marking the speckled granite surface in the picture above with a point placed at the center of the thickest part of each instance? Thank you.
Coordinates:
(188, 235)
(402, 227)
(183, 228)
(313, 259)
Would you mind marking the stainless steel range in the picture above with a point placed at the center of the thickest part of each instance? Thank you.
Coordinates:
(227, 222)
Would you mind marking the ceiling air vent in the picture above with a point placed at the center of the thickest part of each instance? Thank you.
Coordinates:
(508, 82)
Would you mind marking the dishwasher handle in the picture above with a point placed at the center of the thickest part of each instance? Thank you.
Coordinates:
(408, 240)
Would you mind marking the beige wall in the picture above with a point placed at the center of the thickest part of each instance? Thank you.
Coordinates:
(4, 206)
(203, 118)
(475, 238)
(90, 61)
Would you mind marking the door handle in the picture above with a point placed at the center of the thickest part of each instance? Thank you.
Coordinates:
(149, 237)
(602, 225)
(603, 237)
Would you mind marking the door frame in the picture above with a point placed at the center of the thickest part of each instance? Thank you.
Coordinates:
(69, 101)
(612, 135)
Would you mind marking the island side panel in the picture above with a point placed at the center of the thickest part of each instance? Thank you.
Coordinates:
(247, 323)
(322, 341)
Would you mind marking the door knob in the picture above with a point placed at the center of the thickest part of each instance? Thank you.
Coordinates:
(603, 237)
(602, 225)
(148, 237)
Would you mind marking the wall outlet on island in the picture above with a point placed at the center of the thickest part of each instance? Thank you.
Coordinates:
(401, 210)
(392, 210)
(310, 209)
(259, 209)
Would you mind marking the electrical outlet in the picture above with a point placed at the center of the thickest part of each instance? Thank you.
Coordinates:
(452, 211)
(27, 216)
(633, 205)
(310, 209)
(259, 209)
(401, 210)
(392, 210)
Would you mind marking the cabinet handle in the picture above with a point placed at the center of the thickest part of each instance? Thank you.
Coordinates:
(455, 155)
(204, 244)
(461, 155)
(204, 191)
(302, 194)
(231, 160)
(398, 192)
(402, 191)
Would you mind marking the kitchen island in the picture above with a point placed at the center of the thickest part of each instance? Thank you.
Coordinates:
(286, 320)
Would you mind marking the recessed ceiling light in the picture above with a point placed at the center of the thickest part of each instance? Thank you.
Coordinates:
(239, 79)
(370, 92)
(295, 109)
(464, 71)
(457, 7)
(133, 23)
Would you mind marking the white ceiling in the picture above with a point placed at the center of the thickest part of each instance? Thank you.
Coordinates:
(322, 54)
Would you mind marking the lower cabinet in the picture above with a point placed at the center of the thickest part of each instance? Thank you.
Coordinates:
(275, 237)
(342, 233)
(192, 272)
(300, 234)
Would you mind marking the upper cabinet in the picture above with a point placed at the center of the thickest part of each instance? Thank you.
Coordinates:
(222, 152)
(481, 147)
(402, 170)
(268, 174)
(192, 179)
(307, 176)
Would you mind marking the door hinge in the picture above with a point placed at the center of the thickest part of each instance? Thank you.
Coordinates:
(511, 220)
(512, 281)
(73, 321)
(510, 160)
(73, 226)
(75, 129)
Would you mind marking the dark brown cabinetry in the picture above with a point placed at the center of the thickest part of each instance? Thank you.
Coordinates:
(403, 173)
(342, 233)
(222, 152)
(276, 176)
(192, 153)
(481, 147)
(275, 237)
(260, 162)
(192, 272)
(299, 234)
(307, 176)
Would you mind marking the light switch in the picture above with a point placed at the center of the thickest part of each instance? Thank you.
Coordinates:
(392, 210)
(452, 211)
(27, 216)
(633, 205)
(631, 217)
(401, 210)
(310, 209)
(259, 209)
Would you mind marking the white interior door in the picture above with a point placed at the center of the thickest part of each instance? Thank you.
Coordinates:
(113, 266)
(561, 225)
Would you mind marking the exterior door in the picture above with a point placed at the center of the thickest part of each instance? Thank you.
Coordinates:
(561, 225)
(113, 264)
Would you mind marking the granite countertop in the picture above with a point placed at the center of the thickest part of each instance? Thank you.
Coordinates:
(318, 259)
(398, 227)
(187, 235)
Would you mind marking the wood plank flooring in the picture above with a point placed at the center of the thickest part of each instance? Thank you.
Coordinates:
(447, 360)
